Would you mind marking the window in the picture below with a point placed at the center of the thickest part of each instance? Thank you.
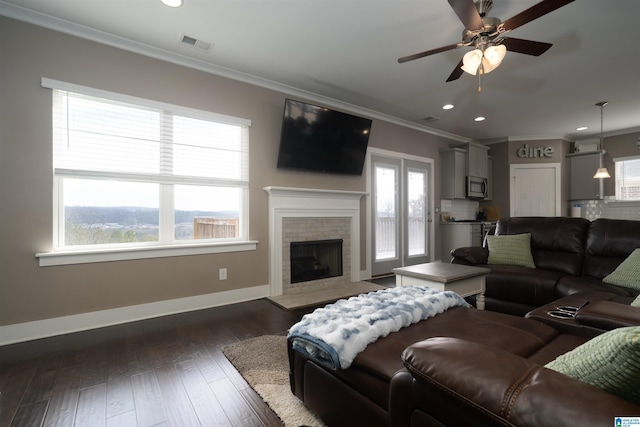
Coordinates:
(133, 173)
(627, 178)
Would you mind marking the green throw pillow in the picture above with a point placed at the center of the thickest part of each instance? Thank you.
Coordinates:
(610, 361)
(510, 249)
(636, 302)
(628, 272)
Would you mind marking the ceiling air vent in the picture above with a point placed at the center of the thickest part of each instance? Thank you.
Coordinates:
(431, 119)
(193, 42)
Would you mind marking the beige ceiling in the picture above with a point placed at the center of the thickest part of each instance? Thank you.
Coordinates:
(343, 53)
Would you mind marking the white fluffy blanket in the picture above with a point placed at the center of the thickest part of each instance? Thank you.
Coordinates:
(335, 334)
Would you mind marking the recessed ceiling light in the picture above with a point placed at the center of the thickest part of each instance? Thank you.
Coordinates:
(479, 119)
(582, 128)
(447, 106)
(172, 3)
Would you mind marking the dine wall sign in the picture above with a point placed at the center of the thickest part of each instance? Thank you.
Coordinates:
(532, 152)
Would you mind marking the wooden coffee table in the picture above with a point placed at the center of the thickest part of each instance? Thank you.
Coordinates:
(464, 280)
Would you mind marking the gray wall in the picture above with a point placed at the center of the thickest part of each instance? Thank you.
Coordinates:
(505, 154)
(29, 292)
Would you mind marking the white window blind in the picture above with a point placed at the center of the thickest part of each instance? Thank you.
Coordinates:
(627, 178)
(143, 140)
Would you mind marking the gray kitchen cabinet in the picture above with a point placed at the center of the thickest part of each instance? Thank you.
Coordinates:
(489, 179)
(582, 184)
(452, 173)
(477, 160)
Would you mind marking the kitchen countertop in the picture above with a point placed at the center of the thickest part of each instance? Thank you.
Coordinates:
(468, 222)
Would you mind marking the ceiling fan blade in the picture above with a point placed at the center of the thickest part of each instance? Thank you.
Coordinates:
(467, 13)
(528, 47)
(456, 73)
(534, 12)
(427, 53)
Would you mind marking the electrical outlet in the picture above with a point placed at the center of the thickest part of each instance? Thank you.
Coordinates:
(222, 274)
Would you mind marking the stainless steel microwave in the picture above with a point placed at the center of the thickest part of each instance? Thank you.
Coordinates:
(476, 187)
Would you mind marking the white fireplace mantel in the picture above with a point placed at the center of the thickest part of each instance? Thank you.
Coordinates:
(288, 202)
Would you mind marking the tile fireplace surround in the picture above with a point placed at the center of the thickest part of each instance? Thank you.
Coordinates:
(316, 210)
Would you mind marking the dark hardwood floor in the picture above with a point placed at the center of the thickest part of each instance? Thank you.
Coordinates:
(168, 371)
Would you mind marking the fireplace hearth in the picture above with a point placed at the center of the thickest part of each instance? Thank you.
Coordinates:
(314, 260)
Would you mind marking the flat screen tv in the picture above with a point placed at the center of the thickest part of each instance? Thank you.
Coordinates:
(319, 139)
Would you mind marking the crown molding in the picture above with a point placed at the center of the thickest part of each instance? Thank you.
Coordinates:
(92, 34)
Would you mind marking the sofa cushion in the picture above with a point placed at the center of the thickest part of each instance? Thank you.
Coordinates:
(568, 285)
(609, 361)
(609, 243)
(557, 243)
(511, 250)
(636, 302)
(627, 274)
(534, 287)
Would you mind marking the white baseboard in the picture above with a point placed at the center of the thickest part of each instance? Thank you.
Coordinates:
(28, 331)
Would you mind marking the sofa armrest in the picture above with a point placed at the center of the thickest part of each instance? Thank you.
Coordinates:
(608, 315)
(470, 255)
(458, 382)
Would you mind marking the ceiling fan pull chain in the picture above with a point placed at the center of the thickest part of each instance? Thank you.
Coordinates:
(480, 71)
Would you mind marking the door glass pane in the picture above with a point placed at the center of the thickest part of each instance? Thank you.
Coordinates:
(386, 213)
(416, 212)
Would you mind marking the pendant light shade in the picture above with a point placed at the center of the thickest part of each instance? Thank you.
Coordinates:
(602, 173)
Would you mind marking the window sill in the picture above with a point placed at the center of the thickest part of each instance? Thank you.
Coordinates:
(48, 259)
(623, 203)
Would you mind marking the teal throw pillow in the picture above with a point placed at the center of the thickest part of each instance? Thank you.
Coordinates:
(510, 249)
(610, 361)
(628, 272)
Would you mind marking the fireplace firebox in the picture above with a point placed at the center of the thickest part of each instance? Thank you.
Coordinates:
(316, 259)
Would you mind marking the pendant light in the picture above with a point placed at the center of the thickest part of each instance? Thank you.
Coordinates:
(602, 172)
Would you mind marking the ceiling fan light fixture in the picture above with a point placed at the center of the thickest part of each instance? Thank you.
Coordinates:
(495, 54)
(487, 66)
(471, 61)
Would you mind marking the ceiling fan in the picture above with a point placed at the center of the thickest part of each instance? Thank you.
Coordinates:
(487, 35)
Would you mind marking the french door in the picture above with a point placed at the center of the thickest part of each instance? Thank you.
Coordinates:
(400, 212)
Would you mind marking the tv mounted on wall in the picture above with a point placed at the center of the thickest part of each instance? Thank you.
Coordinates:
(319, 139)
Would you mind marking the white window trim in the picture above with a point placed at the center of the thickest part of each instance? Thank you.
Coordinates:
(95, 255)
(47, 259)
(623, 203)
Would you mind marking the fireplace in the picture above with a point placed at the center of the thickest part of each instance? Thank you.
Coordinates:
(315, 260)
(303, 215)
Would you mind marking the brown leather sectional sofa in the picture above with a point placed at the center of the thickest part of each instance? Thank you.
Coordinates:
(473, 367)
(571, 255)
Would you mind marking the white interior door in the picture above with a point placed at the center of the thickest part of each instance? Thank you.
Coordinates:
(535, 190)
(401, 213)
